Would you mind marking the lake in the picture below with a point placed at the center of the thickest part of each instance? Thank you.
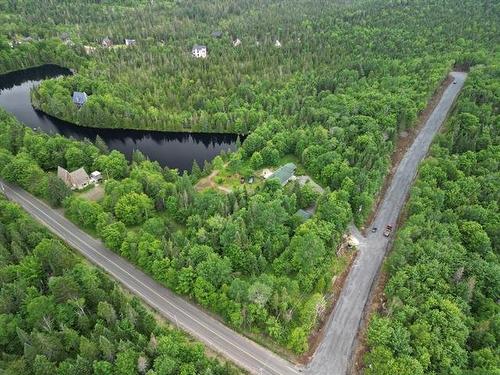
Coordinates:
(175, 150)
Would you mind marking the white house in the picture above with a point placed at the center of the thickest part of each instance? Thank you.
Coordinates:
(130, 42)
(199, 51)
(277, 43)
(236, 42)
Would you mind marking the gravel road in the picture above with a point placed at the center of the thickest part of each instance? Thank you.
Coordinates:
(335, 351)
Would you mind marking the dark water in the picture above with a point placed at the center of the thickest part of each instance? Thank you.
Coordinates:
(177, 150)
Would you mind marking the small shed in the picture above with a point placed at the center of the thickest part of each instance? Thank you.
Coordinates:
(277, 43)
(284, 173)
(95, 176)
(236, 42)
(130, 42)
(79, 98)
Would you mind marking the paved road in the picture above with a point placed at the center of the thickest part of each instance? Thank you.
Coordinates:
(240, 350)
(334, 353)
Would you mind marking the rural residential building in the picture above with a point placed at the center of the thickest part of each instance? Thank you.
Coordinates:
(284, 173)
(130, 42)
(75, 180)
(106, 42)
(217, 34)
(79, 98)
(277, 43)
(236, 42)
(199, 51)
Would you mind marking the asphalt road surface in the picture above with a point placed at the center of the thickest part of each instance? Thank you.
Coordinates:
(242, 351)
(334, 354)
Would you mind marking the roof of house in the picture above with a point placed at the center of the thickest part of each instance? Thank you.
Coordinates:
(64, 175)
(199, 46)
(107, 41)
(284, 173)
(303, 214)
(129, 41)
(79, 97)
(79, 177)
(306, 180)
(75, 178)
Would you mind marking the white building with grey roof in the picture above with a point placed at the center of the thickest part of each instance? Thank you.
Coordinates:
(199, 51)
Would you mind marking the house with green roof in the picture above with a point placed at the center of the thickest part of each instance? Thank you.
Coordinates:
(284, 173)
(303, 214)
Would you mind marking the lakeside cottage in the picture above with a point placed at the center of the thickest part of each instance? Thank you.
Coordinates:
(74, 180)
(199, 51)
(79, 98)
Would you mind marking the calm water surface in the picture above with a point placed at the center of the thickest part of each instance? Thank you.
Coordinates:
(176, 150)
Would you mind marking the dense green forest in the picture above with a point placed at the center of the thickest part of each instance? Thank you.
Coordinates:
(356, 51)
(442, 314)
(59, 315)
(244, 255)
(347, 80)
(350, 76)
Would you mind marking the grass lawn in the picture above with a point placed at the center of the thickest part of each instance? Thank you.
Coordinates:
(92, 193)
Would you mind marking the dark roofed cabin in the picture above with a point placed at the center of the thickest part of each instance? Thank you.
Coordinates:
(79, 98)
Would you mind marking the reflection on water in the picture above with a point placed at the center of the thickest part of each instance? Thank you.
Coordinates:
(177, 150)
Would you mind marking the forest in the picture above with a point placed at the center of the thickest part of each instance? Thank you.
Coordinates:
(244, 255)
(442, 314)
(331, 64)
(347, 81)
(59, 315)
